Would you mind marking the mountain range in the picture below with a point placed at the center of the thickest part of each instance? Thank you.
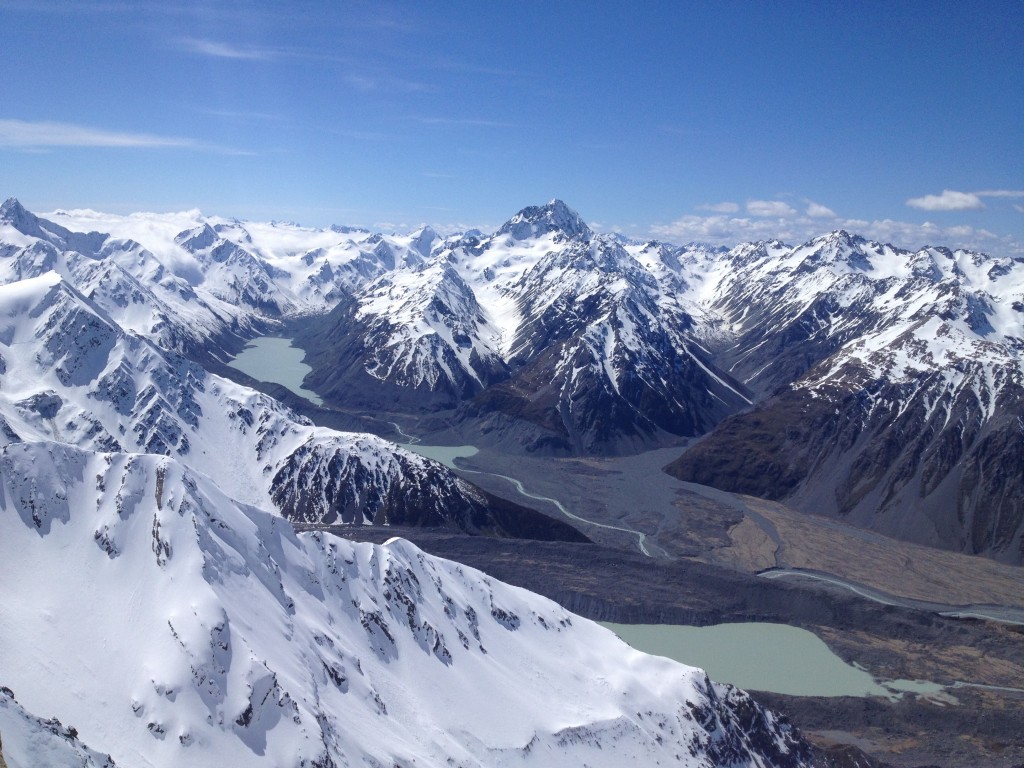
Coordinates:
(159, 607)
(153, 620)
(847, 377)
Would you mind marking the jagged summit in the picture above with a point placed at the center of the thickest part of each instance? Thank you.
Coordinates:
(537, 220)
(14, 214)
(197, 239)
(12, 208)
(423, 239)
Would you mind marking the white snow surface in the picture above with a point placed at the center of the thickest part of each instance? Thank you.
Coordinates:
(156, 606)
(173, 625)
(72, 375)
(150, 282)
(307, 265)
(30, 741)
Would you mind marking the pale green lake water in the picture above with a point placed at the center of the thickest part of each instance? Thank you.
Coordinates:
(273, 359)
(766, 657)
(763, 657)
(444, 454)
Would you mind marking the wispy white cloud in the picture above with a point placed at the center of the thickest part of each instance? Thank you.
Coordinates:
(769, 208)
(24, 133)
(731, 230)
(470, 121)
(719, 207)
(222, 50)
(819, 211)
(360, 75)
(949, 200)
(1019, 207)
(34, 135)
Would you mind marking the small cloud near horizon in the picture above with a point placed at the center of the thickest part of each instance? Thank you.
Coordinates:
(767, 208)
(949, 200)
(819, 211)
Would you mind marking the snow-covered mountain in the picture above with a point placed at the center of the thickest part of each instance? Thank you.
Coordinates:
(543, 324)
(194, 284)
(849, 377)
(146, 294)
(414, 337)
(891, 383)
(69, 373)
(169, 624)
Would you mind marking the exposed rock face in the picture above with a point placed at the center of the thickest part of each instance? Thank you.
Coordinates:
(894, 392)
(849, 377)
(75, 377)
(316, 484)
(267, 647)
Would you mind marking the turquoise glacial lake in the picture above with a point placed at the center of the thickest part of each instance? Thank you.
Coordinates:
(274, 359)
(767, 657)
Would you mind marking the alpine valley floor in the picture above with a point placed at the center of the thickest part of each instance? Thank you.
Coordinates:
(707, 553)
(859, 383)
(707, 549)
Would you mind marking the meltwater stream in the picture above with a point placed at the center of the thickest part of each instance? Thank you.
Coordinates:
(760, 656)
(447, 455)
(274, 359)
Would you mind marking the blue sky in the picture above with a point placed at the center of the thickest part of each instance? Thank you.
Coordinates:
(719, 121)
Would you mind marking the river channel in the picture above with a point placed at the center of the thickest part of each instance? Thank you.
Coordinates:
(760, 656)
(273, 359)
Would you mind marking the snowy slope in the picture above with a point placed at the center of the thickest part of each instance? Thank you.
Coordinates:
(887, 381)
(301, 269)
(894, 388)
(69, 373)
(194, 284)
(172, 625)
(542, 323)
(417, 334)
(27, 740)
(153, 296)
(789, 308)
